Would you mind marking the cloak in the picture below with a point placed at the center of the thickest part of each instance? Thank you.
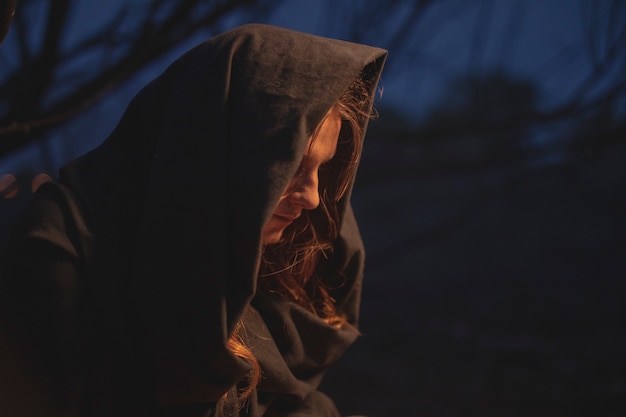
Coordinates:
(125, 277)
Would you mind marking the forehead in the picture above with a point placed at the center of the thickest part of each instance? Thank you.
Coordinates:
(323, 142)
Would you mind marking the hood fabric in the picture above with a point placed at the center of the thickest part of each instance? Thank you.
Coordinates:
(175, 201)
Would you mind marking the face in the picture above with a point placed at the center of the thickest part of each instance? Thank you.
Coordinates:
(302, 192)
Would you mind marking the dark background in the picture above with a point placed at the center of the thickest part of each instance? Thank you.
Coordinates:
(491, 195)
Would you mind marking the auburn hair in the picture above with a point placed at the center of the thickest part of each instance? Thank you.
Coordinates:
(289, 268)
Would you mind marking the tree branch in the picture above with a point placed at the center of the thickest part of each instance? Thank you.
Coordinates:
(149, 45)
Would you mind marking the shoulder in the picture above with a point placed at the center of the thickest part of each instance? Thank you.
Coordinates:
(43, 262)
(40, 301)
(53, 220)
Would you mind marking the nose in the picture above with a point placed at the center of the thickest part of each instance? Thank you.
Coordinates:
(305, 191)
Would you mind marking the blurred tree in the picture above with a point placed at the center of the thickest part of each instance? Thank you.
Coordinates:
(7, 9)
(49, 76)
(478, 119)
(490, 107)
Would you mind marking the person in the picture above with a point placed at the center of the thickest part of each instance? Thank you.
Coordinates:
(205, 259)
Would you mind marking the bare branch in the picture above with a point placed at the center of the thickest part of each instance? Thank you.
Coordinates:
(151, 44)
(107, 36)
(601, 68)
(22, 34)
(518, 15)
(402, 32)
(585, 16)
(477, 47)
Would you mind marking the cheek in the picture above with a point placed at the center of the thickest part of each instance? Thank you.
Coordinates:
(272, 226)
(288, 190)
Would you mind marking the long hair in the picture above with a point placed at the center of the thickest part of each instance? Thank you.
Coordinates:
(289, 268)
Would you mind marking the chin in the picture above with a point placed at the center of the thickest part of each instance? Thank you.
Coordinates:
(270, 238)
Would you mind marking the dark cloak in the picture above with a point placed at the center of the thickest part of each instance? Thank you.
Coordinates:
(125, 277)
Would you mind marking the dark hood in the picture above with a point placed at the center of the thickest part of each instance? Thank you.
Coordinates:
(180, 191)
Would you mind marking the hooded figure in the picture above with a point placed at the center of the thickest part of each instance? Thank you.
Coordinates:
(204, 260)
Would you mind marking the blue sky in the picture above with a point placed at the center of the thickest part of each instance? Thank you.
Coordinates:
(542, 41)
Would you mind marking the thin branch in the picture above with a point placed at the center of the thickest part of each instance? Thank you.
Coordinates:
(47, 59)
(601, 68)
(145, 50)
(22, 34)
(106, 36)
(591, 42)
(518, 15)
(614, 14)
(403, 31)
(477, 48)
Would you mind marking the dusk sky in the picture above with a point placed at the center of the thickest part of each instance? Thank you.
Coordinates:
(545, 43)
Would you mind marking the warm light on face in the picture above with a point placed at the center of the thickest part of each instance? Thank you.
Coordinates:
(302, 192)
